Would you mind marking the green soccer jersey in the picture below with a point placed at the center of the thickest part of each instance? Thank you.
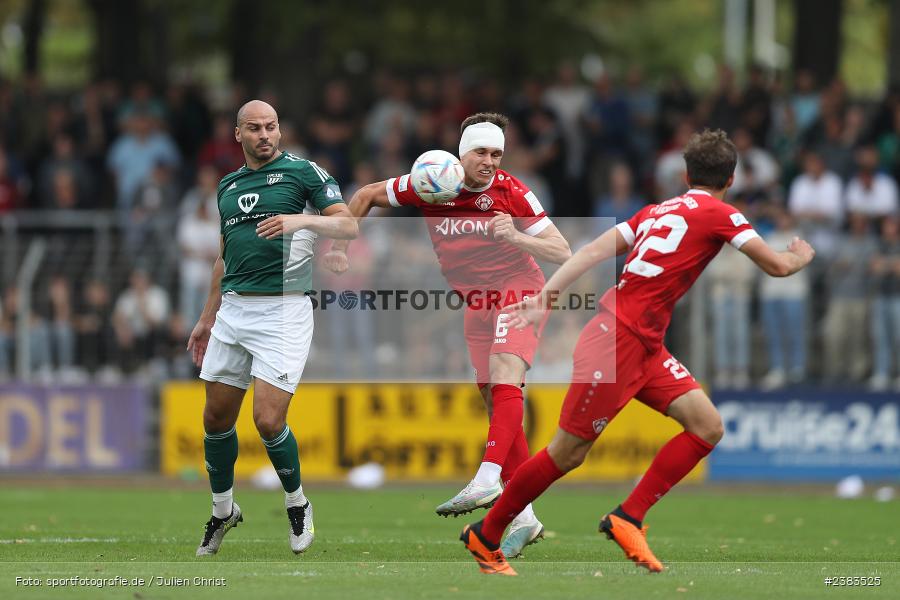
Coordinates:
(287, 185)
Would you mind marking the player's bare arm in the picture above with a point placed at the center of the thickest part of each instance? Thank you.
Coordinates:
(373, 195)
(779, 264)
(199, 339)
(336, 222)
(549, 245)
(609, 244)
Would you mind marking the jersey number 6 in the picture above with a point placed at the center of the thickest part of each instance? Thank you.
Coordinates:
(664, 245)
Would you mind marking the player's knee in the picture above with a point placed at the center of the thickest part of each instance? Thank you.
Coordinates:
(216, 420)
(710, 429)
(268, 425)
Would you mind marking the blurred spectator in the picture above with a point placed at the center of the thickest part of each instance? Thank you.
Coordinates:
(333, 127)
(392, 114)
(222, 151)
(731, 278)
(64, 159)
(670, 169)
(134, 156)
(805, 100)
(831, 144)
(188, 119)
(139, 319)
(760, 162)
(10, 188)
(198, 236)
(677, 103)
(38, 337)
(871, 193)
(568, 98)
(608, 121)
(885, 319)
(756, 105)
(62, 332)
(290, 142)
(519, 160)
(722, 108)
(844, 328)
(642, 107)
(784, 313)
(816, 203)
(889, 146)
(153, 212)
(94, 327)
(621, 202)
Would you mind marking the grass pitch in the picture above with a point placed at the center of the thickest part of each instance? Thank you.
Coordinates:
(716, 543)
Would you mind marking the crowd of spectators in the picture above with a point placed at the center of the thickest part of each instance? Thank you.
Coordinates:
(812, 161)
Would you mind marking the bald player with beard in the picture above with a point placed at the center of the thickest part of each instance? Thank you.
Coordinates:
(257, 323)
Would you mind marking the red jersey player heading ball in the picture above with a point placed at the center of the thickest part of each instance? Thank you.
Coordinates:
(486, 240)
(620, 353)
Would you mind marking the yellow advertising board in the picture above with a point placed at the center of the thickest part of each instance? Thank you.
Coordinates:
(418, 432)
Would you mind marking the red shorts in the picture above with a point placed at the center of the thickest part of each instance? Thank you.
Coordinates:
(611, 367)
(486, 330)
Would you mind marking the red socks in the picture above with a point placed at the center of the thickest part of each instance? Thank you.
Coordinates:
(518, 454)
(672, 463)
(531, 479)
(506, 422)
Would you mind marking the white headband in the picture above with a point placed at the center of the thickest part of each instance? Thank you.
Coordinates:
(481, 135)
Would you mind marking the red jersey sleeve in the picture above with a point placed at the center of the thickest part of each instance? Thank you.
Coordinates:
(730, 226)
(400, 192)
(526, 208)
(629, 228)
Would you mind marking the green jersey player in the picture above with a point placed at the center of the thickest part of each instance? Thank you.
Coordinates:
(257, 323)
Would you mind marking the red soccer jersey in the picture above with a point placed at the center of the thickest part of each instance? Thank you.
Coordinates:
(671, 244)
(470, 258)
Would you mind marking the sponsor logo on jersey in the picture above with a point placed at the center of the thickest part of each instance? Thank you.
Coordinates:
(738, 219)
(403, 183)
(247, 202)
(273, 178)
(233, 186)
(484, 202)
(332, 191)
(461, 227)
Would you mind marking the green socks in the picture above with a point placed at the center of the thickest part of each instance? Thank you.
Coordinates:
(221, 451)
(285, 458)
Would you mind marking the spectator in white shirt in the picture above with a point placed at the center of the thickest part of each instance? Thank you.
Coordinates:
(815, 201)
(139, 317)
(765, 169)
(198, 236)
(871, 193)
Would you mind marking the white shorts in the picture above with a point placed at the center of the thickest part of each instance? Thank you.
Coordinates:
(266, 337)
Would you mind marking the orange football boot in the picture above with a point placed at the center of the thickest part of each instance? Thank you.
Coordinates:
(490, 561)
(632, 540)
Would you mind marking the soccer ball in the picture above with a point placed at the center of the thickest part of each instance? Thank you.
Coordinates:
(437, 177)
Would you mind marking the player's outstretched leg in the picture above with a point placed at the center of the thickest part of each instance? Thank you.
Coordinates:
(488, 555)
(216, 529)
(506, 423)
